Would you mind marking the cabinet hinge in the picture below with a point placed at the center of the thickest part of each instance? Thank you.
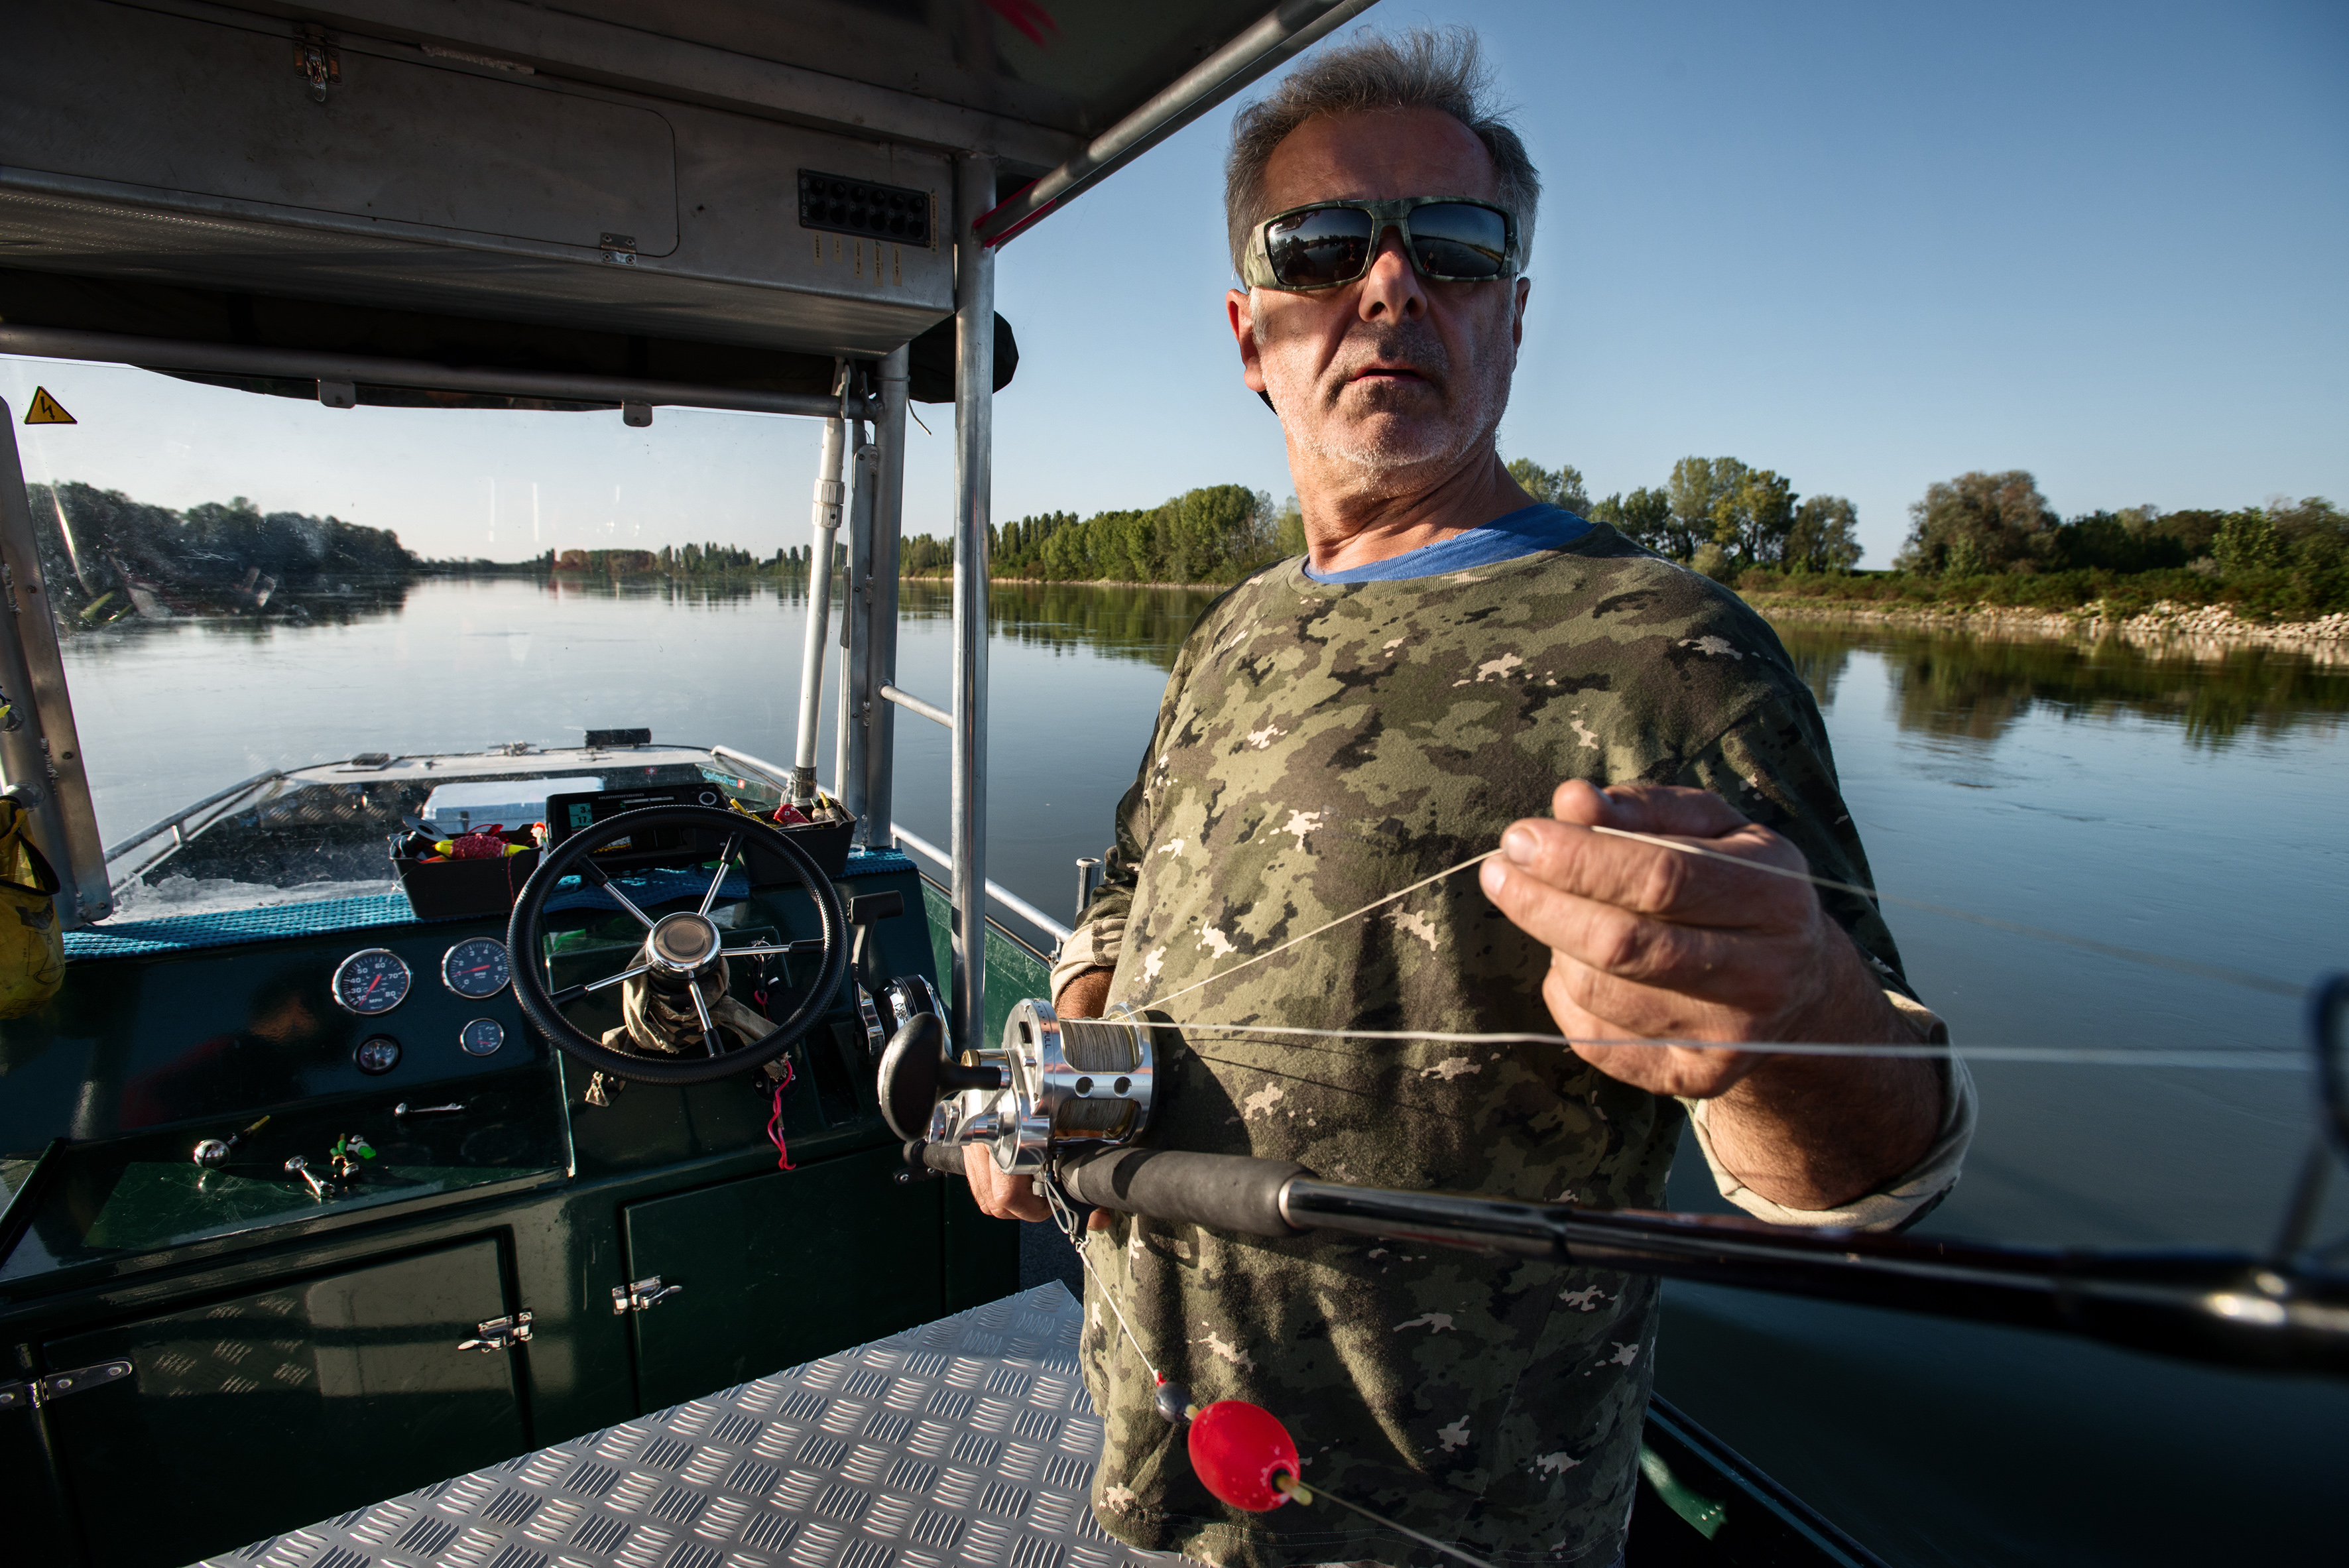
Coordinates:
(57, 1384)
(642, 1295)
(499, 1333)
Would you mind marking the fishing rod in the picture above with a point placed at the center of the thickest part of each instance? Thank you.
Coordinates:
(1064, 1100)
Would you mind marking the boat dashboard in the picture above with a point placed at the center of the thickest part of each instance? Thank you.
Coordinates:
(245, 1069)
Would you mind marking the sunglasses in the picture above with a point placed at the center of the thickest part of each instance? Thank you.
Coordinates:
(1452, 239)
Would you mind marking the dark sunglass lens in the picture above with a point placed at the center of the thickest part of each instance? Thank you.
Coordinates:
(1454, 239)
(1312, 250)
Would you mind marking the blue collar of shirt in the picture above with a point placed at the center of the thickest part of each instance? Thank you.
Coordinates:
(1528, 531)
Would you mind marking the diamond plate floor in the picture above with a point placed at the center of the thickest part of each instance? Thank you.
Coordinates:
(967, 1443)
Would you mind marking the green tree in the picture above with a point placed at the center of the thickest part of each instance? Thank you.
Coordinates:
(1825, 536)
(1752, 519)
(1980, 523)
(1288, 529)
(1560, 487)
(1645, 516)
(1698, 489)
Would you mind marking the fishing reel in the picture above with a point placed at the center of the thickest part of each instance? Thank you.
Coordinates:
(1052, 1084)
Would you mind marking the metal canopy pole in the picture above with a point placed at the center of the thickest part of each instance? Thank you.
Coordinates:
(828, 494)
(872, 651)
(1280, 34)
(41, 756)
(848, 726)
(974, 448)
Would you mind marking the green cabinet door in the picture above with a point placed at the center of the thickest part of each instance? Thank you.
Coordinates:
(779, 1269)
(265, 1412)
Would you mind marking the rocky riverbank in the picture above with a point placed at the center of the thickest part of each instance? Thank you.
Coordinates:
(2192, 630)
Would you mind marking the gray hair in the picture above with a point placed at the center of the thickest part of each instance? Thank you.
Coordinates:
(1426, 68)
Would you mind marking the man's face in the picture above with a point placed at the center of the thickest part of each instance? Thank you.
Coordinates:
(1395, 376)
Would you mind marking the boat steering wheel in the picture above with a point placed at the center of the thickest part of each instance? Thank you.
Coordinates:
(679, 951)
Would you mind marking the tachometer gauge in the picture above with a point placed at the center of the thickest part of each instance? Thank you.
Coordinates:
(476, 967)
(370, 981)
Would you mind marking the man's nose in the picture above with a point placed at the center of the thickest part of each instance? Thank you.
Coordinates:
(1392, 288)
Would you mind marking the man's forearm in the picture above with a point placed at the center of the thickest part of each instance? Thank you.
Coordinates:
(1817, 1132)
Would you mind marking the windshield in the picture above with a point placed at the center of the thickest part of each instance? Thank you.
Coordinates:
(249, 584)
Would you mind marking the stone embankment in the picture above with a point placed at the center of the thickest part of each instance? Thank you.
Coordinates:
(2193, 630)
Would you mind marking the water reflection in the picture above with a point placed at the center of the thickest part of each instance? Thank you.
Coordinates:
(1115, 620)
(1960, 685)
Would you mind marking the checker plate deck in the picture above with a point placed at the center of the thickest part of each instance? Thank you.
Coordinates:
(966, 1443)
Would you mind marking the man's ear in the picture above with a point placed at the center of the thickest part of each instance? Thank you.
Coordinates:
(1237, 303)
(1239, 309)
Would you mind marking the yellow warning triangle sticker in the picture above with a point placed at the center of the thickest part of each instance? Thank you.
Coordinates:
(48, 410)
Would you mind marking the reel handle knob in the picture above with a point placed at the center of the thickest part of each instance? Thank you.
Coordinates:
(916, 1073)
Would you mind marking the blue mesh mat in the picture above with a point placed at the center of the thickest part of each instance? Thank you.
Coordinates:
(324, 917)
(226, 928)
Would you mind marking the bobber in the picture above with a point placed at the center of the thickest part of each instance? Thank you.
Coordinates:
(1242, 1453)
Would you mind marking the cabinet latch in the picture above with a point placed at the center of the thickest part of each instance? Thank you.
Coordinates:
(319, 61)
(641, 1296)
(57, 1384)
(499, 1333)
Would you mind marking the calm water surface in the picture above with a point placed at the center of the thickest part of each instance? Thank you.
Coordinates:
(2192, 808)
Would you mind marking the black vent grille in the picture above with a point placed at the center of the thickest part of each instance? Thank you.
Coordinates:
(850, 206)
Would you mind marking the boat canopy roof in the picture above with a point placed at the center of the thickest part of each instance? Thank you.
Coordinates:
(714, 193)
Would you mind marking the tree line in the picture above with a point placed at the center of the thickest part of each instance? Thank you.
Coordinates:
(1218, 534)
(1715, 514)
(106, 556)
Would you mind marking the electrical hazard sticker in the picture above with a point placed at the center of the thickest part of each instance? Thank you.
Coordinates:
(48, 410)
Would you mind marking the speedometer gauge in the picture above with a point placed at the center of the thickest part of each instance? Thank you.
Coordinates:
(476, 967)
(370, 981)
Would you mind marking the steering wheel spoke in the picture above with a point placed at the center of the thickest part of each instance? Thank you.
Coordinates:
(701, 1011)
(526, 931)
(603, 879)
(725, 863)
(774, 949)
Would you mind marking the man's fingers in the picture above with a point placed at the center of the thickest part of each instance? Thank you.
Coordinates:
(1669, 808)
(1648, 879)
(1607, 937)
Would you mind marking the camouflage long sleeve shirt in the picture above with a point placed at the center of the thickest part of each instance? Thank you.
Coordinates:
(1321, 744)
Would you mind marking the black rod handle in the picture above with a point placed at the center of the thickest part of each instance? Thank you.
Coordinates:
(1220, 1192)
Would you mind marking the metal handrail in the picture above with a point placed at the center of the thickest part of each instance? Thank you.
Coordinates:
(907, 700)
(1004, 896)
(179, 819)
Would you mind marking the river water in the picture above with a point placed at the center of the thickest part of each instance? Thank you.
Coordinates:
(2185, 806)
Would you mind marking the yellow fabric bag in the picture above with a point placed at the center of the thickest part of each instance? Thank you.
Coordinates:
(32, 941)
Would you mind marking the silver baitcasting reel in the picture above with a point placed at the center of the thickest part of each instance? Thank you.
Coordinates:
(1053, 1083)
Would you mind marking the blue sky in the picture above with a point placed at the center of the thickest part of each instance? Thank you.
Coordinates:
(1870, 247)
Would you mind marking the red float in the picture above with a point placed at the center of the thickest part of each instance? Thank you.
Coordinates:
(1236, 1450)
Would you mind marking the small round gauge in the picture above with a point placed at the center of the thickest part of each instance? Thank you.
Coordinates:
(377, 1054)
(481, 1038)
(476, 967)
(370, 981)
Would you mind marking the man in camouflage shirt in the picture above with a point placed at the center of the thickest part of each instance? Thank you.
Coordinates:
(1345, 724)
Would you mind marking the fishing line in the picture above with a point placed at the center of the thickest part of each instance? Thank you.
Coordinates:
(1069, 1226)
(1424, 882)
(2223, 973)
(2246, 978)
(2249, 1057)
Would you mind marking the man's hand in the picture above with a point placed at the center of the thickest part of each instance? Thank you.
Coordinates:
(1648, 943)
(1014, 1197)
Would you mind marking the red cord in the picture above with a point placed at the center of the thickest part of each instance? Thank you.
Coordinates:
(775, 1122)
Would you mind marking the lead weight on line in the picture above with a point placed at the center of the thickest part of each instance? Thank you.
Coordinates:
(1174, 1402)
